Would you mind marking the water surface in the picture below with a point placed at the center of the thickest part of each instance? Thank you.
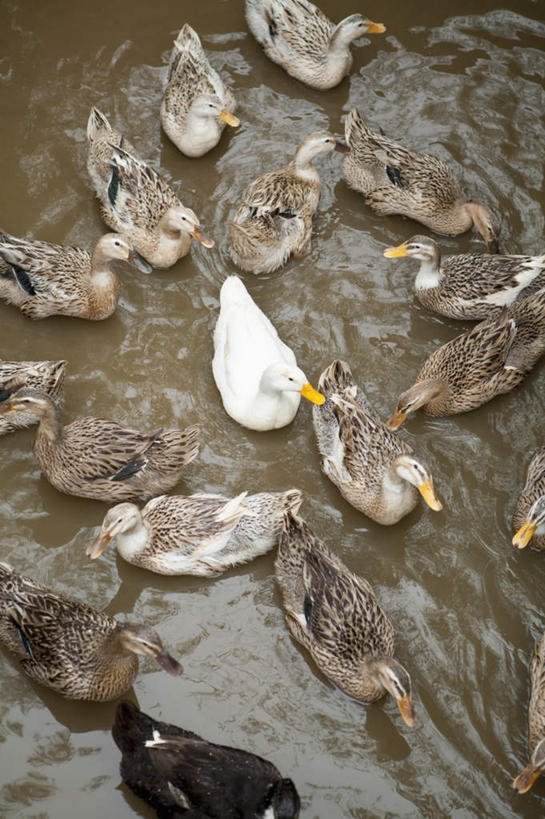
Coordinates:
(463, 80)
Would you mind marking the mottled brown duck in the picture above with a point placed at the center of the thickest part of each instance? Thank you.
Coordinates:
(469, 285)
(47, 376)
(101, 459)
(297, 35)
(395, 180)
(200, 534)
(275, 219)
(536, 722)
(81, 653)
(180, 774)
(373, 469)
(492, 358)
(529, 515)
(335, 614)
(43, 279)
(196, 103)
(137, 201)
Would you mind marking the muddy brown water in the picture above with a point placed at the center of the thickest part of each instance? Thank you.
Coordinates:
(462, 79)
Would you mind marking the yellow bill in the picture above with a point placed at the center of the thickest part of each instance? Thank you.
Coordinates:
(312, 394)
(200, 237)
(396, 420)
(229, 118)
(406, 708)
(428, 493)
(526, 778)
(375, 28)
(524, 535)
(396, 252)
(6, 408)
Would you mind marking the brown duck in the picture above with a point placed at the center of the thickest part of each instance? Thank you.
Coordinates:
(81, 653)
(529, 515)
(100, 459)
(47, 376)
(43, 279)
(492, 358)
(536, 722)
(335, 614)
(395, 180)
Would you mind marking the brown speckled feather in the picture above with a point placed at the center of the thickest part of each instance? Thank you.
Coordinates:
(331, 611)
(536, 708)
(534, 488)
(47, 376)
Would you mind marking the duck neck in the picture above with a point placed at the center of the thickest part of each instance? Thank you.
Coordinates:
(341, 38)
(429, 274)
(50, 425)
(105, 286)
(302, 163)
(132, 542)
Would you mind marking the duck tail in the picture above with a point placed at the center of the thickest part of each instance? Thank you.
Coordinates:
(293, 499)
(335, 378)
(97, 125)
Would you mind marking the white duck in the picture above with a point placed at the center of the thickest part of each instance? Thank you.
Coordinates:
(255, 372)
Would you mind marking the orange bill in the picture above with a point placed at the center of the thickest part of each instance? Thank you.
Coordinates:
(396, 420)
(6, 408)
(312, 394)
(396, 252)
(375, 28)
(524, 534)
(406, 708)
(526, 778)
(428, 493)
(229, 118)
(96, 548)
(200, 237)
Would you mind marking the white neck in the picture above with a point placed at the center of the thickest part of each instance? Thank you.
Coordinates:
(428, 276)
(132, 542)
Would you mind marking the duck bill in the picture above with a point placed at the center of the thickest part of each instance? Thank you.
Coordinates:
(342, 147)
(200, 237)
(396, 252)
(170, 665)
(396, 420)
(406, 709)
(312, 394)
(229, 118)
(493, 245)
(428, 493)
(524, 534)
(98, 546)
(6, 408)
(375, 28)
(526, 778)
(139, 262)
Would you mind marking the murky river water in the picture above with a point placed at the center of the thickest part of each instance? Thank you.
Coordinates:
(460, 79)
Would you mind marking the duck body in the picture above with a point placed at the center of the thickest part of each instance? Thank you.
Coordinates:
(44, 279)
(335, 614)
(196, 104)
(372, 468)
(255, 372)
(536, 721)
(529, 514)
(101, 459)
(135, 200)
(180, 774)
(469, 285)
(202, 534)
(47, 376)
(397, 181)
(491, 359)
(68, 646)
(298, 36)
(275, 219)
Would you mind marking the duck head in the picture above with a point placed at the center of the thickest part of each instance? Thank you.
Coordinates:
(138, 639)
(418, 475)
(118, 519)
(534, 524)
